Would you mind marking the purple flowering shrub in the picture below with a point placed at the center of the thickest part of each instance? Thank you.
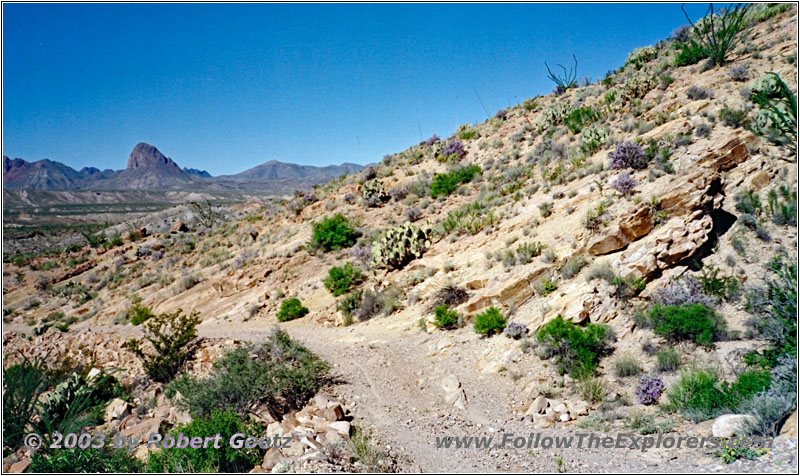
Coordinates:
(649, 389)
(515, 330)
(502, 114)
(628, 155)
(624, 183)
(432, 140)
(360, 253)
(454, 150)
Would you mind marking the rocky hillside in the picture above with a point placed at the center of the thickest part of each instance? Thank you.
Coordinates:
(582, 261)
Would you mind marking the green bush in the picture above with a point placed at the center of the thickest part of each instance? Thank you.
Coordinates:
(576, 350)
(334, 233)
(579, 118)
(775, 309)
(693, 322)
(207, 460)
(23, 384)
(291, 308)
(280, 374)
(89, 460)
(349, 304)
(445, 318)
(138, 314)
(173, 339)
(490, 322)
(700, 396)
(445, 184)
(340, 280)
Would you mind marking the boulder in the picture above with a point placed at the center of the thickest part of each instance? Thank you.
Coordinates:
(20, 466)
(759, 180)
(341, 427)
(333, 413)
(116, 409)
(178, 227)
(789, 428)
(538, 406)
(450, 384)
(611, 239)
(729, 425)
(144, 428)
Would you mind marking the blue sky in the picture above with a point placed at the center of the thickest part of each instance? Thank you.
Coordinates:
(227, 87)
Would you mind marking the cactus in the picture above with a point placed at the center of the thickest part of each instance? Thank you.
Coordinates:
(592, 138)
(640, 56)
(398, 246)
(777, 117)
(373, 193)
(636, 87)
(555, 115)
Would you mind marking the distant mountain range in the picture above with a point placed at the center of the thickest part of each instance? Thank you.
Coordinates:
(149, 169)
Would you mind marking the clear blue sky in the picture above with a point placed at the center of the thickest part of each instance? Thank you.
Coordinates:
(227, 87)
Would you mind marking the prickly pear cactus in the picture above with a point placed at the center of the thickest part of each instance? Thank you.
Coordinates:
(640, 56)
(59, 400)
(636, 87)
(373, 193)
(555, 115)
(593, 138)
(400, 245)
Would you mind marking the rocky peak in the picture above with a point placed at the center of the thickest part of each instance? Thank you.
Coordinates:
(146, 155)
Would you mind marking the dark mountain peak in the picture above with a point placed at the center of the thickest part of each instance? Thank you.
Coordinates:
(146, 156)
(197, 172)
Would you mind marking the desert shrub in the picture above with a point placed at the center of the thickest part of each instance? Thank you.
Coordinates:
(445, 184)
(490, 322)
(527, 251)
(349, 304)
(572, 267)
(624, 183)
(626, 366)
(694, 322)
(702, 130)
(690, 52)
(451, 295)
(684, 291)
(579, 118)
(23, 384)
(412, 214)
(544, 287)
(770, 407)
(732, 117)
(206, 460)
(601, 271)
(719, 33)
(546, 209)
(515, 330)
(774, 308)
(699, 395)
(334, 233)
(698, 92)
(138, 314)
(628, 155)
(575, 350)
(90, 460)
(667, 359)
(172, 338)
(649, 389)
(445, 318)
(713, 284)
(340, 280)
(290, 309)
(739, 73)
(280, 375)
(591, 389)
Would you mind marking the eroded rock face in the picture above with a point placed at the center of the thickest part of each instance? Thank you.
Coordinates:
(510, 292)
